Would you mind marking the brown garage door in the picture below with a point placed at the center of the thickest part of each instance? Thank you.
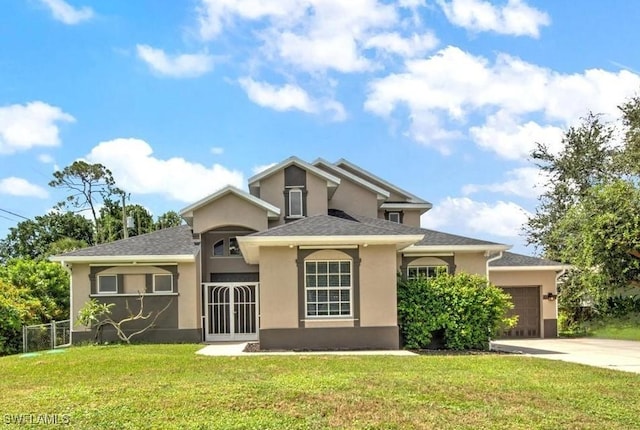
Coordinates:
(526, 304)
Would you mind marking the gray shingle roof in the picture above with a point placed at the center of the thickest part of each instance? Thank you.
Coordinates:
(510, 259)
(169, 241)
(326, 225)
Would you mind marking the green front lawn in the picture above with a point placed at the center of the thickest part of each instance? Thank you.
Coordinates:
(168, 386)
(626, 328)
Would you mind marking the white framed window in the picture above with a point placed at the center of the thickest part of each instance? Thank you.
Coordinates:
(295, 203)
(394, 217)
(218, 248)
(328, 288)
(415, 272)
(107, 284)
(162, 283)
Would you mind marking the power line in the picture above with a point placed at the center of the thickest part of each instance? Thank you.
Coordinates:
(14, 214)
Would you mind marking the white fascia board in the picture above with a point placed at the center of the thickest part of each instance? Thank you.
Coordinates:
(332, 181)
(454, 248)
(272, 211)
(250, 245)
(387, 184)
(381, 193)
(128, 259)
(528, 268)
(406, 206)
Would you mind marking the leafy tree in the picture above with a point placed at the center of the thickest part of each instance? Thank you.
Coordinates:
(35, 238)
(465, 310)
(17, 308)
(110, 221)
(88, 184)
(587, 158)
(168, 219)
(45, 281)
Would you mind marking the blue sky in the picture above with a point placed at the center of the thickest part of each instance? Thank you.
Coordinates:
(444, 98)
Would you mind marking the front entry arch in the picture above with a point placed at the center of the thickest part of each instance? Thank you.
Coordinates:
(231, 311)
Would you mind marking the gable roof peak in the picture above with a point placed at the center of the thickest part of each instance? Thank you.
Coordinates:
(332, 181)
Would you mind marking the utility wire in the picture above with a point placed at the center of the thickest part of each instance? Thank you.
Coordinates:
(13, 213)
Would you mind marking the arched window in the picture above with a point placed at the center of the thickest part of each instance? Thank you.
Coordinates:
(218, 248)
(426, 267)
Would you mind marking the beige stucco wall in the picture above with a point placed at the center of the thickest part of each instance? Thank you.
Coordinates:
(189, 297)
(278, 288)
(474, 263)
(354, 199)
(81, 288)
(317, 195)
(411, 218)
(378, 286)
(272, 191)
(229, 210)
(134, 283)
(545, 279)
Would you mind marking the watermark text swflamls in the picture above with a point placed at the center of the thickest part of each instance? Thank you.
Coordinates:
(40, 419)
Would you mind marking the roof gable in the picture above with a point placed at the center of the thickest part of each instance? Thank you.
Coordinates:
(332, 181)
(381, 193)
(272, 211)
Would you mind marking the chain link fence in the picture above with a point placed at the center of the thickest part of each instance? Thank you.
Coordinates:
(39, 337)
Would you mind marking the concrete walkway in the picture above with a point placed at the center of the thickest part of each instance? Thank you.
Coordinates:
(234, 349)
(610, 354)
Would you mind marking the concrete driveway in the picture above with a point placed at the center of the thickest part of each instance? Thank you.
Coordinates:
(611, 354)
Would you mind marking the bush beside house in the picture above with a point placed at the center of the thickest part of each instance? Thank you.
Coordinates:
(460, 311)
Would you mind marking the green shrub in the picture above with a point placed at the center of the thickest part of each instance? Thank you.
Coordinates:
(464, 308)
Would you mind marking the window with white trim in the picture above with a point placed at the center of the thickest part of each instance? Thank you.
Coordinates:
(328, 288)
(415, 272)
(107, 284)
(295, 203)
(162, 283)
(394, 217)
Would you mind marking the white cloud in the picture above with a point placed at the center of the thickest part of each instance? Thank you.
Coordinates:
(525, 182)
(514, 140)
(46, 159)
(217, 150)
(514, 18)
(20, 187)
(290, 97)
(178, 66)
(23, 127)
(137, 171)
(500, 219)
(407, 47)
(64, 12)
(453, 85)
(262, 167)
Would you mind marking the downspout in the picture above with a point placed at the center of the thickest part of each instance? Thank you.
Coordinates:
(497, 256)
(67, 268)
(558, 276)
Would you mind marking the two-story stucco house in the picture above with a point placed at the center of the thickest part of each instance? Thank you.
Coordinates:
(307, 259)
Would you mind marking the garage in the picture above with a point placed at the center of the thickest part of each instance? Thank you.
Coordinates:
(526, 304)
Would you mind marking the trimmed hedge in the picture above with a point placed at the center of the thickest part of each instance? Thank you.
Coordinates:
(466, 310)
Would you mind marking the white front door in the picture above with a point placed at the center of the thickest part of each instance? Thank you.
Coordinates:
(231, 311)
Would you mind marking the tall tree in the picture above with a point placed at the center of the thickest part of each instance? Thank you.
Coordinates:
(111, 221)
(88, 184)
(168, 219)
(34, 238)
(588, 158)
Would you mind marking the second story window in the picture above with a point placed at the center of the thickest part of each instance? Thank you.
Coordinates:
(394, 217)
(295, 203)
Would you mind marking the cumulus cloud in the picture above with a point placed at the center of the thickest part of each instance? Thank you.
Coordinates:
(20, 187)
(290, 97)
(452, 85)
(513, 18)
(503, 219)
(407, 47)
(64, 12)
(525, 182)
(23, 127)
(137, 170)
(177, 66)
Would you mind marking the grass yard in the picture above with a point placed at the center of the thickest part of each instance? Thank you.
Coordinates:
(627, 328)
(168, 386)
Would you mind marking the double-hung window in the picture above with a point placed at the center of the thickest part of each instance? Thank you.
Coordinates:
(295, 203)
(328, 288)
